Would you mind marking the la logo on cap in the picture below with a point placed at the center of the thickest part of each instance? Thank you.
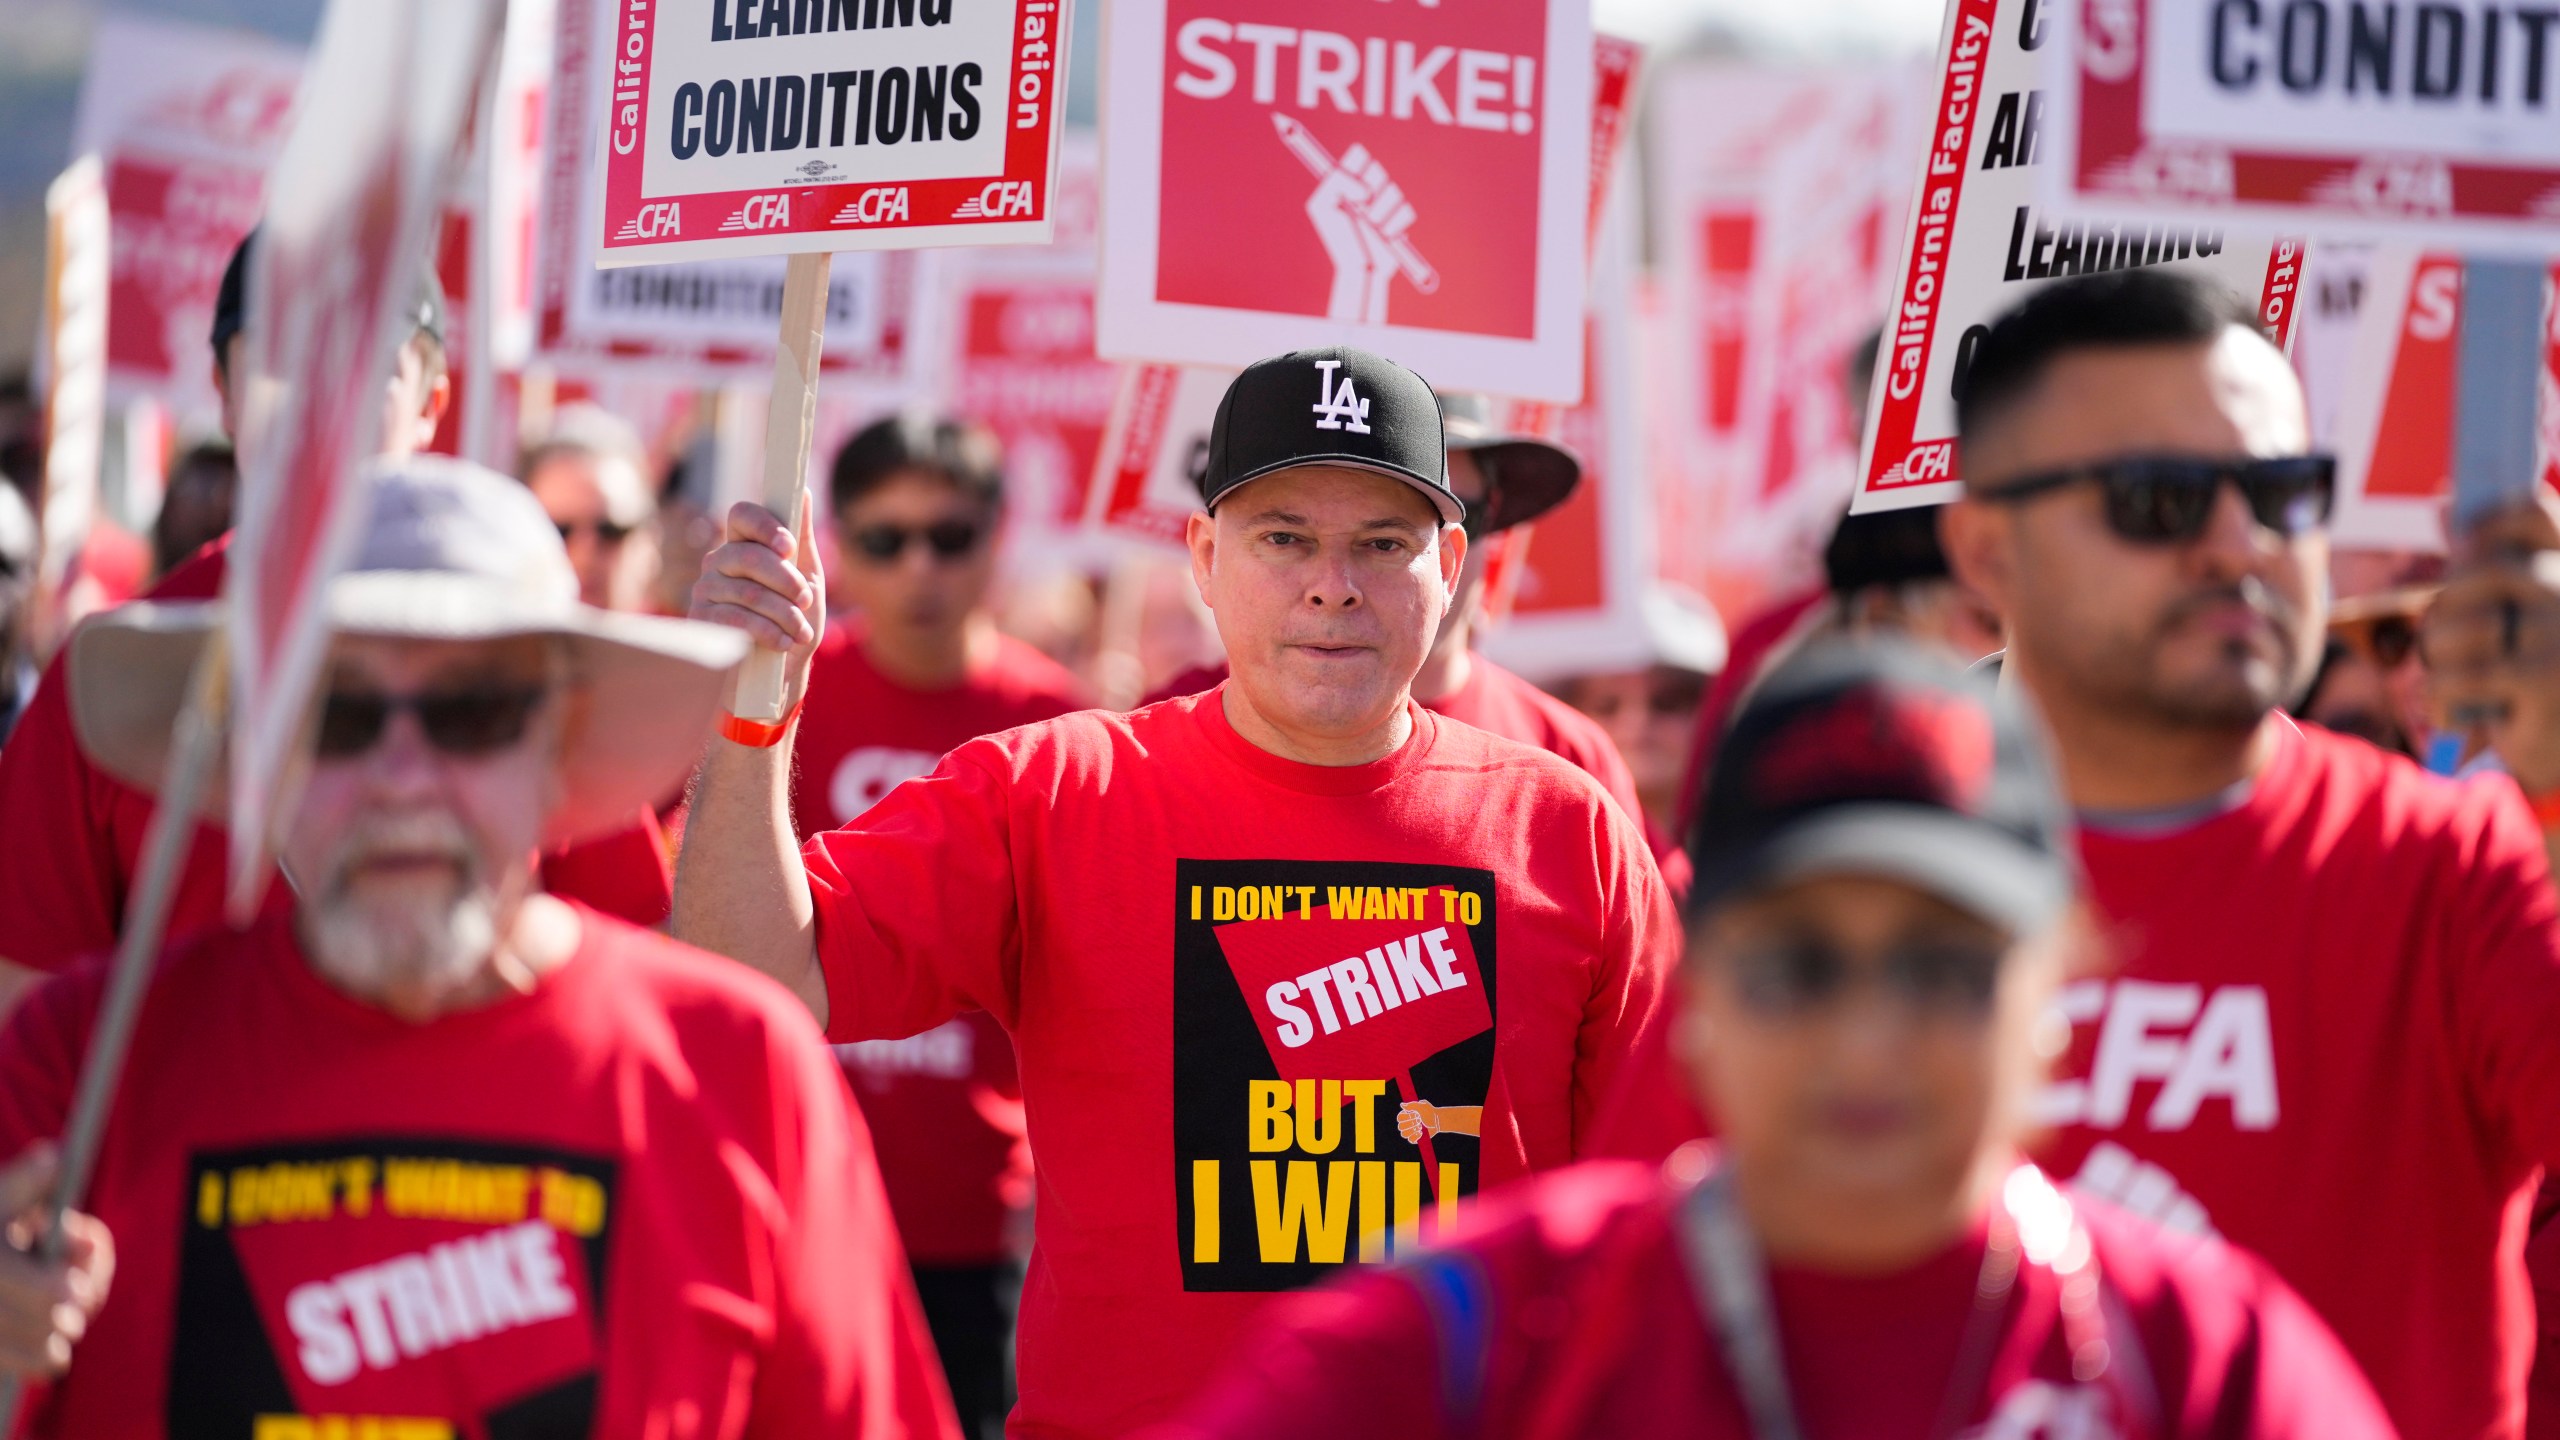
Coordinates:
(1339, 407)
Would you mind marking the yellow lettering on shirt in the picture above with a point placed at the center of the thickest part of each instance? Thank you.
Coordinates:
(348, 1427)
(1204, 1212)
(1320, 1210)
(1267, 1112)
(416, 1189)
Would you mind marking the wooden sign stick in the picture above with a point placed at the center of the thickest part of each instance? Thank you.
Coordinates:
(788, 421)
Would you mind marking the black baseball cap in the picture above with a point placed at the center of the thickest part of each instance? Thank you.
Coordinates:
(1524, 476)
(230, 303)
(1875, 757)
(1335, 406)
(1884, 547)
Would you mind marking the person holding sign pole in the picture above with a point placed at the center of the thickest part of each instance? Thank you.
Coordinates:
(1292, 966)
(1884, 907)
(2328, 1031)
(429, 1142)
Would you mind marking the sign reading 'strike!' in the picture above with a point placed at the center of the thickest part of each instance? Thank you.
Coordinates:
(761, 127)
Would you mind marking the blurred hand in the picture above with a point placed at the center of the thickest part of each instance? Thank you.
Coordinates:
(766, 580)
(46, 1306)
(2492, 641)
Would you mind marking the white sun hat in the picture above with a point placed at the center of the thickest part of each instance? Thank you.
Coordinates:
(451, 551)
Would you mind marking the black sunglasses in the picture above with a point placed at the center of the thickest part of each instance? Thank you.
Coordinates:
(1790, 979)
(2168, 499)
(457, 722)
(605, 530)
(948, 539)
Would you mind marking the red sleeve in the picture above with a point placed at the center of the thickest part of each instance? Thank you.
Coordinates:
(2290, 1378)
(851, 1352)
(625, 874)
(62, 887)
(2502, 949)
(40, 1051)
(916, 910)
(1652, 1112)
(1351, 1360)
(1639, 951)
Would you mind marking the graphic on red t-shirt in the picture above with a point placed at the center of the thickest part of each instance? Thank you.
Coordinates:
(376, 1277)
(1319, 1006)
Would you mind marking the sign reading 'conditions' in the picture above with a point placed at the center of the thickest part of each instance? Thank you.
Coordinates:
(2437, 119)
(759, 127)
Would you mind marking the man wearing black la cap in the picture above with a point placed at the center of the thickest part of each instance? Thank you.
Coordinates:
(1499, 480)
(1245, 941)
(1881, 913)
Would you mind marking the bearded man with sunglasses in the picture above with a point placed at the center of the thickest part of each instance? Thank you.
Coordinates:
(2327, 1031)
(430, 1143)
(917, 669)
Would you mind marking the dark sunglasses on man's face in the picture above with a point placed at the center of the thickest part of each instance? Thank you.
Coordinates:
(462, 723)
(2169, 499)
(605, 530)
(1940, 979)
(2387, 640)
(948, 539)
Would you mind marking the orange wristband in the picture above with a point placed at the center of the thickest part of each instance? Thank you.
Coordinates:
(760, 734)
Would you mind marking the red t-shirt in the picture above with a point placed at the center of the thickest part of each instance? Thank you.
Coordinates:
(1566, 1309)
(2327, 1035)
(631, 1202)
(1163, 915)
(73, 834)
(946, 1106)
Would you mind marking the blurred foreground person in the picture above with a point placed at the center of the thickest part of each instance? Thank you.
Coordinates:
(918, 670)
(1242, 940)
(589, 472)
(434, 1144)
(2330, 1025)
(1882, 914)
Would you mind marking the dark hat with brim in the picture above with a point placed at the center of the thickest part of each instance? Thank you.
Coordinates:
(1524, 476)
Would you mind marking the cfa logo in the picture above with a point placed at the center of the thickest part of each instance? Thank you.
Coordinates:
(664, 217)
(1933, 461)
(876, 206)
(1000, 199)
(2198, 1047)
(867, 775)
(760, 212)
(1338, 408)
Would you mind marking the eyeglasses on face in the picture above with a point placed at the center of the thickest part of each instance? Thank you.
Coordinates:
(947, 539)
(1802, 976)
(2168, 499)
(465, 723)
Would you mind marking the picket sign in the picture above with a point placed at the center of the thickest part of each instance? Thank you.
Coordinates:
(1982, 235)
(1281, 174)
(2434, 124)
(729, 131)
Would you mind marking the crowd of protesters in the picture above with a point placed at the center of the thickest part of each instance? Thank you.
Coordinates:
(2029, 984)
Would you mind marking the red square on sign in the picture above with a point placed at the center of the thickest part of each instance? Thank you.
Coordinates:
(1431, 116)
(1357, 999)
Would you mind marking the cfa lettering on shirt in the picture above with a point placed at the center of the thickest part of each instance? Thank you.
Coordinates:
(866, 776)
(948, 1051)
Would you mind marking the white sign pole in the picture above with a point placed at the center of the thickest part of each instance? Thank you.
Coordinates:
(787, 424)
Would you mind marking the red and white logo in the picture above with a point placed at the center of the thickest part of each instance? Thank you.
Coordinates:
(1001, 198)
(760, 212)
(661, 218)
(879, 205)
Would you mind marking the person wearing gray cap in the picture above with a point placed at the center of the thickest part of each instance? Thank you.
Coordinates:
(1883, 912)
(432, 1143)
(1292, 966)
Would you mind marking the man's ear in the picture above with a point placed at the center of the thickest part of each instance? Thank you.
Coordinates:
(1453, 557)
(1200, 536)
(1975, 536)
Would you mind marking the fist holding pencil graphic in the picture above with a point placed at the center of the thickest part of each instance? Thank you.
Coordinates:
(1362, 217)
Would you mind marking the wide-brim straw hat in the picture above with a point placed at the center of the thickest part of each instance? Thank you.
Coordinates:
(451, 551)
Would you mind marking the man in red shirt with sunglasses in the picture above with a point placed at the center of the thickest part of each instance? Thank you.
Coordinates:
(917, 670)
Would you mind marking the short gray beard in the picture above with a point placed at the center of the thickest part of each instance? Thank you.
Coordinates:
(427, 946)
